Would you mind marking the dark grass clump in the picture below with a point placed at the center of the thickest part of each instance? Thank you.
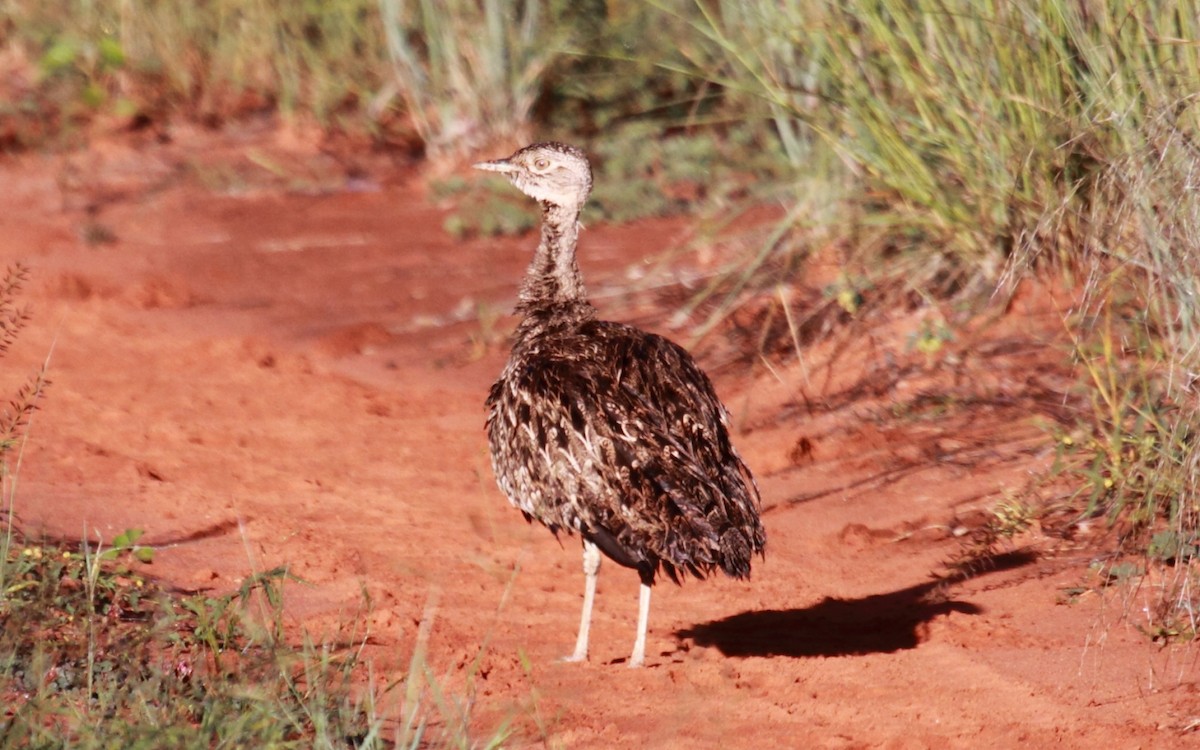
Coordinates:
(93, 653)
(948, 150)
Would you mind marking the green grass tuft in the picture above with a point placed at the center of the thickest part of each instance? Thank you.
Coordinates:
(94, 653)
(965, 143)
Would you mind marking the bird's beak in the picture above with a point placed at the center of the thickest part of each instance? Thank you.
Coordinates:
(499, 165)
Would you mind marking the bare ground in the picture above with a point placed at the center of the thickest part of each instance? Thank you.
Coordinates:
(264, 354)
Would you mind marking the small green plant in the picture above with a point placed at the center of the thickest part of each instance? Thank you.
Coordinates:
(847, 292)
(931, 337)
(1134, 462)
(83, 64)
(125, 543)
(95, 654)
(1011, 517)
(979, 547)
(1173, 546)
(14, 419)
(13, 318)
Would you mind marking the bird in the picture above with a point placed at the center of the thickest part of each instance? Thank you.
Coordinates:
(600, 429)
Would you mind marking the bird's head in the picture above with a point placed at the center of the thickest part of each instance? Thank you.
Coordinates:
(550, 172)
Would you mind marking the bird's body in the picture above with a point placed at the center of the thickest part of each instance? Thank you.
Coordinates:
(602, 429)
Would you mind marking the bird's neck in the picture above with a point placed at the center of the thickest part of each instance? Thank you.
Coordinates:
(553, 278)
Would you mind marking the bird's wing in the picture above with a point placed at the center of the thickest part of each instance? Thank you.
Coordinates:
(637, 443)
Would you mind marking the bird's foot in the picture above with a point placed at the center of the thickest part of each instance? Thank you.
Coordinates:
(575, 657)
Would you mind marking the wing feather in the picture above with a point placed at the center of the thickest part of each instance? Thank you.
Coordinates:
(621, 434)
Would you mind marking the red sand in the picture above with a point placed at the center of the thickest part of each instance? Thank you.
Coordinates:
(259, 376)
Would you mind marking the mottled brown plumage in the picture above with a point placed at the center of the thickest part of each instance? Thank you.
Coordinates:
(606, 430)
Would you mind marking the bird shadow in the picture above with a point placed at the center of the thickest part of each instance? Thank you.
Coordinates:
(881, 623)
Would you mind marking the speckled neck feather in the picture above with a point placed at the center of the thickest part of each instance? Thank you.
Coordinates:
(553, 277)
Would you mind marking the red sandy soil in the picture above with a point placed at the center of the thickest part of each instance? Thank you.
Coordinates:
(264, 354)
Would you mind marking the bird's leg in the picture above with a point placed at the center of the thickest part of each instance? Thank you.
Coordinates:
(591, 566)
(639, 646)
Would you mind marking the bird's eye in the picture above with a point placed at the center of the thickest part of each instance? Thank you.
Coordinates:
(541, 163)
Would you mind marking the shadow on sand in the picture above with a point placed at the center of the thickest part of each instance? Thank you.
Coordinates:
(882, 623)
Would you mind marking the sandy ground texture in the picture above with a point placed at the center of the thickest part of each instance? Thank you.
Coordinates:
(265, 354)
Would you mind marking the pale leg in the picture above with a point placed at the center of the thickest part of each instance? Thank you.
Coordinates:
(591, 566)
(639, 646)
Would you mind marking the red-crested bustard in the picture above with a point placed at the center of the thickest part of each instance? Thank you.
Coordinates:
(606, 430)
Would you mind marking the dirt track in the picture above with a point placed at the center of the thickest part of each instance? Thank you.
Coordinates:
(264, 377)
